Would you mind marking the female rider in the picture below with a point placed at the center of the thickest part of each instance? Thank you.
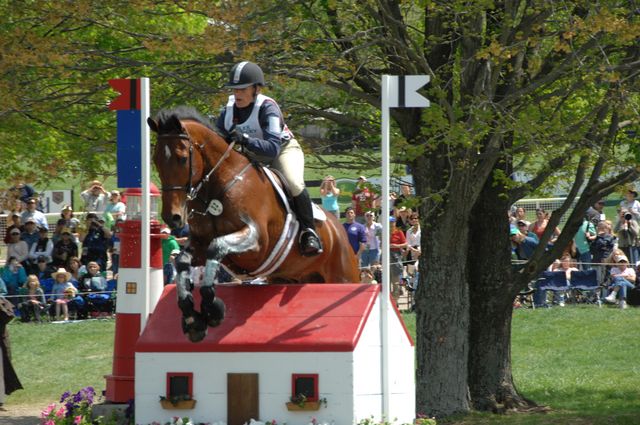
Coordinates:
(255, 122)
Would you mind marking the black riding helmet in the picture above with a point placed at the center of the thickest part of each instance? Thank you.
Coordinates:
(245, 74)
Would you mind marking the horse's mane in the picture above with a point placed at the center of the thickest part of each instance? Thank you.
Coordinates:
(164, 118)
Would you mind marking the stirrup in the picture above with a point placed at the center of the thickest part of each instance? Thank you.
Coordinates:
(309, 242)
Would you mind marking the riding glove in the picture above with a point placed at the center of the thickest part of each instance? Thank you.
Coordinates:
(241, 139)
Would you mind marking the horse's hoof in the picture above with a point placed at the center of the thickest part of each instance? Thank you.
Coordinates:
(214, 312)
(196, 335)
(194, 327)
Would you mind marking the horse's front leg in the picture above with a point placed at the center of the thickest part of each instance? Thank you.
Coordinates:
(193, 323)
(245, 239)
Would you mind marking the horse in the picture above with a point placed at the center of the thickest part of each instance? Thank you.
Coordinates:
(235, 216)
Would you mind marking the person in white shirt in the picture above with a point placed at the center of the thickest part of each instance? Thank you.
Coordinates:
(32, 212)
(622, 277)
(413, 238)
(631, 204)
(43, 247)
(17, 248)
(95, 197)
(373, 230)
(115, 209)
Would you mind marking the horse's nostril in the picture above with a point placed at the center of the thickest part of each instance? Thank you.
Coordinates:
(176, 220)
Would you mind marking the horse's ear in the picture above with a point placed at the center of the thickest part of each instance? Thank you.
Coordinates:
(152, 125)
(174, 124)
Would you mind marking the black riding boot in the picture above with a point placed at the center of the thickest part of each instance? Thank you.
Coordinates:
(309, 240)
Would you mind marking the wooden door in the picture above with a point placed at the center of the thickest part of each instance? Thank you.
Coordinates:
(242, 398)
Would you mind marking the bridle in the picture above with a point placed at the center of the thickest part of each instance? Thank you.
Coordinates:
(192, 192)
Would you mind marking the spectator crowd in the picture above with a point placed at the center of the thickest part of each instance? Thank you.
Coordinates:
(65, 268)
(364, 234)
(69, 269)
(610, 247)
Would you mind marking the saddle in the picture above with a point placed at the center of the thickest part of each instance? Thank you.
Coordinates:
(289, 229)
(281, 186)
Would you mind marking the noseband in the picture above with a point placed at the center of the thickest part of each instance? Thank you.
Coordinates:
(192, 192)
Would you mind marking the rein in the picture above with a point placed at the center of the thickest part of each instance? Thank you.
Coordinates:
(192, 192)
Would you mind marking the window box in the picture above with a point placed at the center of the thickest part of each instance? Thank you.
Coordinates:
(307, 406)
(180, 404)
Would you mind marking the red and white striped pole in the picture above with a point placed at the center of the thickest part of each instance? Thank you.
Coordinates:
(140, 274)
(139, 287)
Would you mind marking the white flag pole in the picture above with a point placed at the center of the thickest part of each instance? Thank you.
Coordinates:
(384, 300)
(145, 231)
(396, 92)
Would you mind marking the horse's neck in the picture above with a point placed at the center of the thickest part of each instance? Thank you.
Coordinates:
(215, 147)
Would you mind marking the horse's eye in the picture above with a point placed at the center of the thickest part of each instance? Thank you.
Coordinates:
(182, 160)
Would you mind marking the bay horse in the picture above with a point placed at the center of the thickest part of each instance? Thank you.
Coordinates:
(235, 217)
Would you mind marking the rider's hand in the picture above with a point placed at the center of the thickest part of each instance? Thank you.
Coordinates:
(240, 138)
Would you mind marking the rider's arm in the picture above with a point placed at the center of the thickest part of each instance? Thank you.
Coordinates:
(220, 124)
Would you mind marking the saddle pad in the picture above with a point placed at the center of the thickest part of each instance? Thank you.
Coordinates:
(318, 213)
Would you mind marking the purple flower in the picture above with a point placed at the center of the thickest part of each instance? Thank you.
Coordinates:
(64, 396)
(88, 393)
(130, 410)
(70, 407)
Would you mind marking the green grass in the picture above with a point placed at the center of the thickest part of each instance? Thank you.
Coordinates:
(53, 358)
(579, 361)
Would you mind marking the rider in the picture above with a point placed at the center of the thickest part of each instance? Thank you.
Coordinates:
(255, 122)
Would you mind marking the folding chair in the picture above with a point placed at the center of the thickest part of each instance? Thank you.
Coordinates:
(103, 303)
(47, 287)
(585, 287)
(555, 281)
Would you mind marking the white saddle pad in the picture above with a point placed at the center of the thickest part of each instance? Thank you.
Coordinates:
(318, 213)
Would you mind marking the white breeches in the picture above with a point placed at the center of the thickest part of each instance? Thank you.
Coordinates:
(290, 163)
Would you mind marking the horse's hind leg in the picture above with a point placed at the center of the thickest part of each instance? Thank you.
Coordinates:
(193, 323)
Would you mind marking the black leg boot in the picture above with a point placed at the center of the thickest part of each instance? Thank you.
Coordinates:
(309, 240)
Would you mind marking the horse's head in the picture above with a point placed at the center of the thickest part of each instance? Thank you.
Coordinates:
(178, 157)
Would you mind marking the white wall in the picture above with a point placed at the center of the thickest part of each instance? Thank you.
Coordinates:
(351, 382)
(274, 369)
(368, 371)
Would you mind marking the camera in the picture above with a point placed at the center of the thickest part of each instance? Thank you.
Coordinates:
(628, 216)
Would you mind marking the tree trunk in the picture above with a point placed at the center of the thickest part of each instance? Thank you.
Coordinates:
(442, 316)
(442, 308)
(492, 289)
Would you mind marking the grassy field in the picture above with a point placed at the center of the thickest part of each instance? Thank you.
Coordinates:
(579, 361)
(55, 357)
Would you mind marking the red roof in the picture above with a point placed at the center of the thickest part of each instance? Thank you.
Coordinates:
(268, 318)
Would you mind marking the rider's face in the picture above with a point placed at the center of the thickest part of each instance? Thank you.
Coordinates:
(244, 97)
